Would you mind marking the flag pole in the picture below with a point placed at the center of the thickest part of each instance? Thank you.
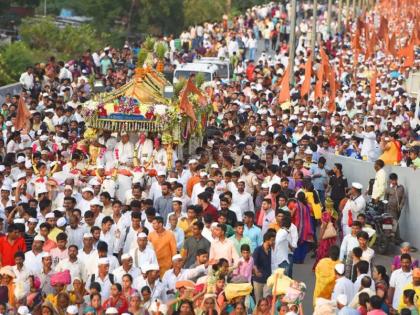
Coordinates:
(292, 41)
(313, 37)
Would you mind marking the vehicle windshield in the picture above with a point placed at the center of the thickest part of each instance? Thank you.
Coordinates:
(185, 74)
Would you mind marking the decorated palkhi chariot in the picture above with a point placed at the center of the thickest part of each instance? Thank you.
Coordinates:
(153, 125)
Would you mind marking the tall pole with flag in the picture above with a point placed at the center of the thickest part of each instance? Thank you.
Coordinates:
(313, 38)
(292, 41)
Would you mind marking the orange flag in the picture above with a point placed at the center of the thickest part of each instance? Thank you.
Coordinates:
(325, 61)
(284, 94)
(409, 56)
(383, 28)
(319, 82)
(391, 45)
(331, 103)
(373, 89)
(22, 114)
(184, 104)
(306, 85)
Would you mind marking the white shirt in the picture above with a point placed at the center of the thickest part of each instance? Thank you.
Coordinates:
(243, 201)
(379, 186)
(86, 261)
(343, 286)
(157, 290)
(293, 237)
(355, 206)
(33, 262)
(104, 283)
(27, 80)
(197, 189)
(125, 152)
(75, 236)
(143, 258)
(129, 239)
(368, 145)
(75, 268)
(120, 272)
(399, 279)
(268, 218)
(281, 249)
(349, 242)
(358, 282)
(169, 279)
(155, 191)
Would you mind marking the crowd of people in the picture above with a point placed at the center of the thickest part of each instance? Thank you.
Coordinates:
(220, 232)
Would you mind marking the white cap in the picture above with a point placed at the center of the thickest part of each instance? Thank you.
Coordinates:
(50, 215)
(61, 209)
(2, 168)
(339, 268)
(342, 299)
(357, 185)
(21, 176)
(72, 309)
(45, 255)
(150, 267)
(43, 138)
(39, 238)
(252, 128)
(289, 145)
(23, 310)
(192, 161)
(19, 221)
(20, 159)
(214, 166)
(125, 256)
(247, 157)
(68, 187)
(94, 182)
(141, 235)
(177, 199)
(87, 235)
(370, 124)
(61, 222)
(265, 185)
(33, 220)
(176, 257)
(87, 189)
(308, 151)
(96, 202)
(111, 310)
(172, 180)
(103, 261)
(161, 173)
(203, 174)
(5, 188)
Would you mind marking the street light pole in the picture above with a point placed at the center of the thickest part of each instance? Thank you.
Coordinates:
(340, 15)
(329, 16)
(292, 41)
(313, 34)
(45, 7)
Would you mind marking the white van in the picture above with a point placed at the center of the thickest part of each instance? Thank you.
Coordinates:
(224, 67)
(185, 70)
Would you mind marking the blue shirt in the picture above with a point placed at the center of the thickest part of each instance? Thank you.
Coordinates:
(319, 182)
(262, 261)
(255, 236)
(346, 310)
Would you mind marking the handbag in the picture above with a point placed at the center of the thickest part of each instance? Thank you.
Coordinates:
(330, 231)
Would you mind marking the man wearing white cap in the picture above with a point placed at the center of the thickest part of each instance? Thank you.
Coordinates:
(46, 273)
(143, 254)
(342, 284)
(155, 190)
(103, 277)
(354, 205)
(343, 309)
(126, 268)
(124, 151)
(33, 258)
(152, 281)
(177, 273)
(84, 203)
(369, 145)
(87, 255)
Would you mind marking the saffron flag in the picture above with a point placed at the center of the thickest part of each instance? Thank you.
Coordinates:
(409, 56)
(184, 104)
(383, 28)
(319, 82)
(306, 85)
(22, 114)
(331, 103)
(284, 94)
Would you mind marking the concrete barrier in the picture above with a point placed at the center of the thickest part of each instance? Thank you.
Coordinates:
(14, 88)
(362, 171)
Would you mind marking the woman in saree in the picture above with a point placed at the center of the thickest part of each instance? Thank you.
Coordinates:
(325, 274)
(303, 222)
(325, 242)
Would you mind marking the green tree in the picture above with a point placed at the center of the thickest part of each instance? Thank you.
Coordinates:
(68, 42)
(199, 11)
(14, 60)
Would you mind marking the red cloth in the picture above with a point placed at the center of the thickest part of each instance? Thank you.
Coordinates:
(119, 303)
(212, 211)
(8, 251)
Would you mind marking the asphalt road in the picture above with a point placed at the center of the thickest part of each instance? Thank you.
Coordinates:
(304, 273)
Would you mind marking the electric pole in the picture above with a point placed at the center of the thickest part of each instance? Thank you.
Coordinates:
(292, 41)
(313, 34)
